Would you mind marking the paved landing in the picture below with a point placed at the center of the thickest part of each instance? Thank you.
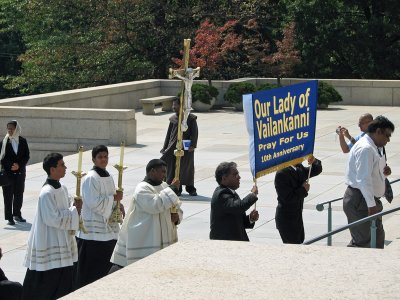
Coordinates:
(222, 137)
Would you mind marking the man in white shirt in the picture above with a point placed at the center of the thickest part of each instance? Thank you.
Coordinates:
(52, 249)
(365, 177)
(343, 133)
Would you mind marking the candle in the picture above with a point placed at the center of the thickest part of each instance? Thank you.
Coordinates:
(121, 157)
(80, 159)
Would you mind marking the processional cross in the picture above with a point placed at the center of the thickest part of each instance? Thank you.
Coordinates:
(187, 76)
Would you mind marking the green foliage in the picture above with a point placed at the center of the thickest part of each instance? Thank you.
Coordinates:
(203, 93)
(327, 94)
(52, 45)
(348, 39)
(237, 89)
(266, 86)
(11, 44)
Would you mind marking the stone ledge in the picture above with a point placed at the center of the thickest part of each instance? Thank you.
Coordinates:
(239, 270)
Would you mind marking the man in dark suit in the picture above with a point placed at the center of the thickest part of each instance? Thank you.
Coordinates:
(228, 211)
(292, 187)
(14, 157)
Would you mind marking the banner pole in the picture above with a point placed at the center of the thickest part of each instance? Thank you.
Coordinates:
(255, 183)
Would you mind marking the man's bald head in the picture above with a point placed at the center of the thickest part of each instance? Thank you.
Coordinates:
(364, 121)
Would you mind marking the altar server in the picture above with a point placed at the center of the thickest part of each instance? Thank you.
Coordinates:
(51, 249)
(99, 199)
(149, 225)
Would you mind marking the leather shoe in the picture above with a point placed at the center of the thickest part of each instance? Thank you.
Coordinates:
(11, 222)
(19, 219)
(193, 194)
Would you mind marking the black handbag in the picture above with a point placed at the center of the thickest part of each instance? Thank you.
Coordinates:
(4, 178)
(388, 188)
(388, 191)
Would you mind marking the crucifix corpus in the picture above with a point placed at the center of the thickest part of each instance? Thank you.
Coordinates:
(187, 76)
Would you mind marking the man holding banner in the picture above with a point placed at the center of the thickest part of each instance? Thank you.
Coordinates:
(281, 126)
(292, 187)
(228, 219)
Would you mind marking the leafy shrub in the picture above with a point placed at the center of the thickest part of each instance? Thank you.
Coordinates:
(237, 90)
(266, 86)
(327, 94)
(203, 92)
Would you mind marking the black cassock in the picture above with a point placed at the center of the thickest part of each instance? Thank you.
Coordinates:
(187, 161)
(291, 194)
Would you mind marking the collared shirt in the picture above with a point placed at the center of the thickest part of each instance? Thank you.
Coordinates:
(357, 138)
(365, 170)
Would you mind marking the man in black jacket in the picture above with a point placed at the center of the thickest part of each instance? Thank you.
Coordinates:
(228, 211)
(292, 187)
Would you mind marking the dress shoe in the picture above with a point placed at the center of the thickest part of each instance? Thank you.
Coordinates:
(193, 194)
(19, 219)
(11, 222)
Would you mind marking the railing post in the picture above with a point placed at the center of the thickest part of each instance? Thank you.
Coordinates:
(330, 224)
(373, 233)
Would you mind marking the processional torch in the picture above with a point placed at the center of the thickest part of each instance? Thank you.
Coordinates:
(79, 174)
(116, 215)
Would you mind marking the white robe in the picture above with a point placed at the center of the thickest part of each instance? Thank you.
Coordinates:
(147, 227)
(98, 200)
(51, 244)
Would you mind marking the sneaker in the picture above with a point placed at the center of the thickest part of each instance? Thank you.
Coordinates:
(19, 219)
(11, 222)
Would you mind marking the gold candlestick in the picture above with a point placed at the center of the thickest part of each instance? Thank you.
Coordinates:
(116, 215)
(79, 175)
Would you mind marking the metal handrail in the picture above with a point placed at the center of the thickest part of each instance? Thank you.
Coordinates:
(320, 207)
(358, 222)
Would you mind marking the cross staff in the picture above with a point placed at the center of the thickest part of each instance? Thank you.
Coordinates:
(179, 151)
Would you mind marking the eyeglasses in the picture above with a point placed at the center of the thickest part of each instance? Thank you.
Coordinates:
(388, 135)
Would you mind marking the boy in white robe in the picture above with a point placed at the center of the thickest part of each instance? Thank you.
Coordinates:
(51, 249)
(99, 199)
(149, 225)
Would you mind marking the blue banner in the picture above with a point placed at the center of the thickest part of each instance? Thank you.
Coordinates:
(281, 126)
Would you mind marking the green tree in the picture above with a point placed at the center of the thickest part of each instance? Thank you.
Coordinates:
(348, 39)
(11, 44)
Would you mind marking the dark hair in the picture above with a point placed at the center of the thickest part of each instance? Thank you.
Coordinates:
(51, 161)
(12, 122)
(96, 150)
(224, 169)
(155, 163)
(380, 122)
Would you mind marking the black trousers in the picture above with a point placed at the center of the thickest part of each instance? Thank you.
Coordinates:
(290, 226)
(93, 261)
(47, 285)
(10, 290)
(13, 195)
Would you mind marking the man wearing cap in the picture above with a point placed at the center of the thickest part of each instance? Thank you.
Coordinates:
(150, 223)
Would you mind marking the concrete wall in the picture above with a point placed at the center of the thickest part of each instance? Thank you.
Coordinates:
(126, 95)
(116, 96)
(237, 270)
(353, 91)
(65, 129)
(358, 91)
(74, 123)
